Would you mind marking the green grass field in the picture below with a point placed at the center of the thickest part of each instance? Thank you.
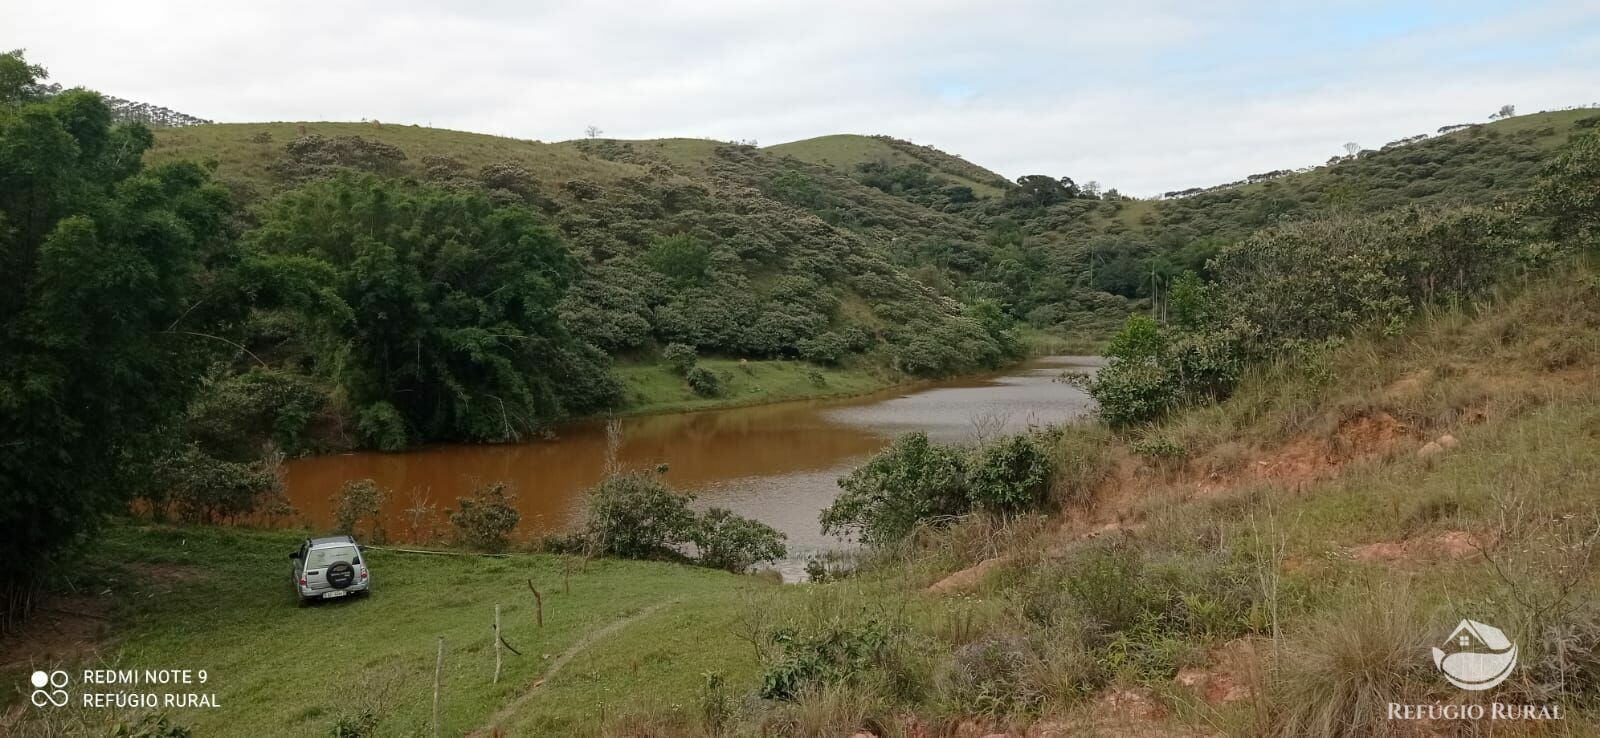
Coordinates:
(218, 599)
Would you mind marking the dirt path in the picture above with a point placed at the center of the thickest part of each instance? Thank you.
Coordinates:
(560, 662)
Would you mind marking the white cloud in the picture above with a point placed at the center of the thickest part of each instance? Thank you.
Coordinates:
(1031, 86)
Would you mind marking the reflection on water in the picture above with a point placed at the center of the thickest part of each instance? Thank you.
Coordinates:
(776, 463)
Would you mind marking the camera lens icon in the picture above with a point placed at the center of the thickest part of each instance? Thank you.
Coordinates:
(47, 689)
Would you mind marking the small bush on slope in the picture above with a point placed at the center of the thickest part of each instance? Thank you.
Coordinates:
(485, 520)
(636, 515)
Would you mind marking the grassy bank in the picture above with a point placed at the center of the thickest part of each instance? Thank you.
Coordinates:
(654, 388)
(219, 600)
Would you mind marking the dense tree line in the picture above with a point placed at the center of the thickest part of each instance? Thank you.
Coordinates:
(119, 289)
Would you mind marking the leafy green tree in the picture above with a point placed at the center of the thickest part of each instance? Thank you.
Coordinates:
(19, 80)
(439, 309)
(911, 481)
(1038, 191)
(635, 515)
(1010, 475)
(108, 313)
(733, 543)
(681, 357)
(681, 258)
(703, 381)
(1569, 192)
(1135, 385)
(485, 520)
(357, 500)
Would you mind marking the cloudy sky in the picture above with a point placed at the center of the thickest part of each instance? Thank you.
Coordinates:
(1142, 95)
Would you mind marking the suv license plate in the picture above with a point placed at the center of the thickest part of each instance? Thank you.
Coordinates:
(333, 594)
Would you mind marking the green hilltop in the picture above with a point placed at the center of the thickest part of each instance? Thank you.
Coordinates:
(848, 152)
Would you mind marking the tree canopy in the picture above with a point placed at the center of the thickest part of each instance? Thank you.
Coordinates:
(436, 310)
(110, 310)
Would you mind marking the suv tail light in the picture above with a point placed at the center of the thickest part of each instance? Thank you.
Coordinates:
(302, 581)
(363, 573)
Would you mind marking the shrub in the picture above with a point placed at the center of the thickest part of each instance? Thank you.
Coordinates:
(733, 543)
(354, 725)
(719, 706)
(635, 515)
(312, 156)
(1104, 583)
(485, 520)
(233, 416)
(910, 481)
(704, 382)
(357, 499)
(380, 426)
(1010, 475)
(824, 348)
(205, 489)
(832, 654)
(1160, 447)
(1134, 386)
(681, 259)
(1569, 191)
(990, 676)
(681, 357)
(1151, 370)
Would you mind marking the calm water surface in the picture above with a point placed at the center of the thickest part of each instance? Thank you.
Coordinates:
(775, 463)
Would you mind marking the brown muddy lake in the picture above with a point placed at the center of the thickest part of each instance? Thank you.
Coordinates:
(776, 463)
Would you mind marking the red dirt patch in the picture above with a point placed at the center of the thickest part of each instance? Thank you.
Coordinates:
(967, 578)
(1451, 545)
(1368, 434)
(1123, 713)
(1232, 673)
(1310, 458)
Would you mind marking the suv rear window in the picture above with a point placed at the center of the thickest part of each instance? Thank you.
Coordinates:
(321, 557)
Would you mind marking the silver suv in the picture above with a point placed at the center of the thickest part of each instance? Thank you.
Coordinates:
(325, 568)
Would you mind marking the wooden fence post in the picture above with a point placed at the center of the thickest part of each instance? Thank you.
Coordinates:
(497, 642)
(438, 673)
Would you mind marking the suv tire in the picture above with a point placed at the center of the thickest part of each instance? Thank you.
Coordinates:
(341, 575)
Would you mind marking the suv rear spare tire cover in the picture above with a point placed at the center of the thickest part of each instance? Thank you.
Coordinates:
(341, 575)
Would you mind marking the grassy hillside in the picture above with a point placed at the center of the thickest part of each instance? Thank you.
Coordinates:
(244, 154)
(846, 152)
(732, 251)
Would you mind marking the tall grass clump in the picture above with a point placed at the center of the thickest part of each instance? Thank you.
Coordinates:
(1337, 676)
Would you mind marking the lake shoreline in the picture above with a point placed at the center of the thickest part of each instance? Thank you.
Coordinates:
(776, 462)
